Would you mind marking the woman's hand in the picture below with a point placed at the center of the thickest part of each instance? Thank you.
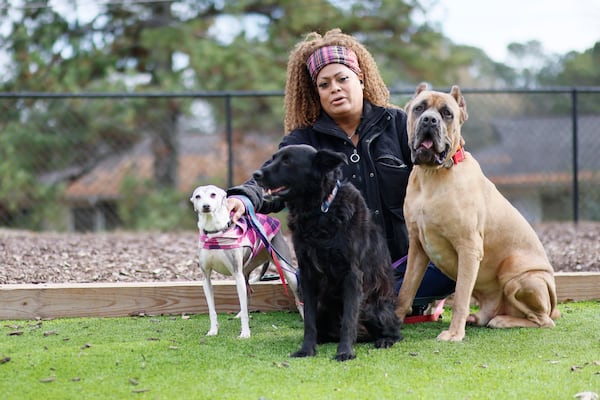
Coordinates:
(236, 208)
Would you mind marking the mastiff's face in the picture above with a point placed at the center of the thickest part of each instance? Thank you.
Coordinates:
(434, 122)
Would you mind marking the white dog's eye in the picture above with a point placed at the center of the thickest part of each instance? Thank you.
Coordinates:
(198, 196)
(213, 195)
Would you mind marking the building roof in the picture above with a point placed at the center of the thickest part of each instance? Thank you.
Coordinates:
(200, 157)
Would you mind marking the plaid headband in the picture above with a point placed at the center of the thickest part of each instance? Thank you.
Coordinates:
(330, 55)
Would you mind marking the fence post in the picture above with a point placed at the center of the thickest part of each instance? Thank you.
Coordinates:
(229, 131)
(574, 112)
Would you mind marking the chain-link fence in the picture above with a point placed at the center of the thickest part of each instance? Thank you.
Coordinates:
(89, 162)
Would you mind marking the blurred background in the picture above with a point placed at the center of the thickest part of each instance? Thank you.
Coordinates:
(112, 112)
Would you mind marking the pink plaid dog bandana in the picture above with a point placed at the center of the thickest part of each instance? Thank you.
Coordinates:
(330, 55)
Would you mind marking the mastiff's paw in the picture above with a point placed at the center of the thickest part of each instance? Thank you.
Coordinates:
(448, 336)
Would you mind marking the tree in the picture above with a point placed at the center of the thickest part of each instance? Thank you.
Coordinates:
(527, 59)
(574, 69)
(175, 46)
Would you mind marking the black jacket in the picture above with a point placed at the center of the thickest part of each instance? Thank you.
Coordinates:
(379, 167)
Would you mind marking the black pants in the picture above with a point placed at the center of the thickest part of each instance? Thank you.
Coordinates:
(435, 284)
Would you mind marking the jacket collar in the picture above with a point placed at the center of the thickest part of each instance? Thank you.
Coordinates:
(371, 114)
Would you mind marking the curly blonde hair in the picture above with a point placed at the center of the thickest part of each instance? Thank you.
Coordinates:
(302, 105)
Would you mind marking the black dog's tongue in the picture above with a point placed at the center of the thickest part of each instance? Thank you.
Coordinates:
(274, 192)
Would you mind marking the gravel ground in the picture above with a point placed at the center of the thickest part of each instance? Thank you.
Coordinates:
(31, 257)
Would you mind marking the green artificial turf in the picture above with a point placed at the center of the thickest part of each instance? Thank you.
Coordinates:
(170, 358)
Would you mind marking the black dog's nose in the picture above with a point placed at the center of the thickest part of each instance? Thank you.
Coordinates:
(257, 175)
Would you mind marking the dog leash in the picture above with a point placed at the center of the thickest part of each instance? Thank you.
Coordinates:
(263, 236)
(399, 261)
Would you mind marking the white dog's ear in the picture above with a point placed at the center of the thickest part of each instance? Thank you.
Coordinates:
(193, 201)
(462, 104)
(224, 202)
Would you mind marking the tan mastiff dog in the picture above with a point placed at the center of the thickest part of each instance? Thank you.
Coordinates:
(459, 220)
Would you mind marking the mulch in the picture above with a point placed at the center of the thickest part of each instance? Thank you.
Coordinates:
(50, 257)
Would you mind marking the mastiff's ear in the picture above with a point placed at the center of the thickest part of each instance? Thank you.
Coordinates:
(455, 92)
(421, 88)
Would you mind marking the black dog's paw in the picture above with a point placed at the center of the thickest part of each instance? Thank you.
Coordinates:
(304, 353)
(345, 356)
(386, 342)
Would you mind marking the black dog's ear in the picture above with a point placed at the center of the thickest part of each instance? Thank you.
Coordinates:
(327, 160)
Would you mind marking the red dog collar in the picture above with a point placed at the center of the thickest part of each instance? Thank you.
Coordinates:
(459, 155)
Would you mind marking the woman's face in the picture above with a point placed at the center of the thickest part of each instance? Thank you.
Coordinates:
(340, 91)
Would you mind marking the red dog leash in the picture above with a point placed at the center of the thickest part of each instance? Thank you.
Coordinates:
(263, 237)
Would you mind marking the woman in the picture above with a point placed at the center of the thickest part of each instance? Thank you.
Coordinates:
(336, 99)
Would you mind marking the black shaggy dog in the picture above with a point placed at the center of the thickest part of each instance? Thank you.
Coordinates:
(345, 275)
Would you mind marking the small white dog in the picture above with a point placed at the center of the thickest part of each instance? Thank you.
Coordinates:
(235, 250)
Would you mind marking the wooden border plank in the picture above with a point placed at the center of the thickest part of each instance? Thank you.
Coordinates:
(173, 298)
(577, 286)
(116, 300)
